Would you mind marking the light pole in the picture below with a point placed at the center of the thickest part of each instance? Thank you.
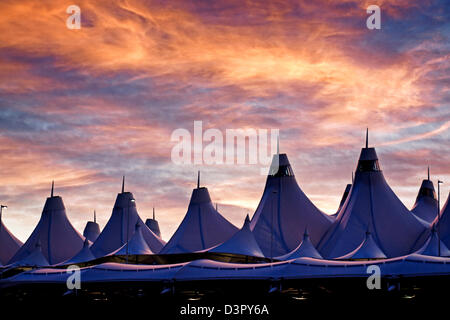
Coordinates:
(439, 216)
(1, 210)
(128, 222)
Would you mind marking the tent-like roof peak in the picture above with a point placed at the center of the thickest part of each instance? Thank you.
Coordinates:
(431, 246)
(85, 254)
(122, 221)
(283, 209)
(242, 242)
(202, 226)
(280, 166)
(200, 195)
(35, 258)
(304, 249)
(428, 185)
(368, 249)
(59, 239)
(136, 245)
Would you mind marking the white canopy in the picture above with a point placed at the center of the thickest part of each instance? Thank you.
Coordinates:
(34, 259)
(84, 255)
(58, 238)
(348, 187)
(426, 205)
(304, 249)
(202, 227)
(373, 205)
(443, 227)
(283, 210)
(136, 245)
(91, 231)
(124, 217)
(368, 249)
(303, 268)
(431, 246)
(9, 244)
(153, 224)
(242, 242)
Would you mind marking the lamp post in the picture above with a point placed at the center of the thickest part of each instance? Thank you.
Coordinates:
(439, 217)
(128, 222)
(1, 210)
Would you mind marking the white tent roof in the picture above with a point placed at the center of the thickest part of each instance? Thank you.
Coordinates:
(58, 238)
(426, 205)
(413, 265)
(124, 216)
(153, 224)
(84, 255)
(444, 226)
(431, 246)
(34, 259)
(283, 210)
(136, 245)
(348, 187)
(242, 242)
(91, 231)
(201, 228)
(373, 204)
(9, 244)
(304, 249)
(368, 249)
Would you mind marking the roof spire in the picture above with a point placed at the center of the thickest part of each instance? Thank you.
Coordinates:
(95, 217)
(353, 179)
(153, 212)
(198, 179)
(123, 184)
(367, 137)
(53, 187)
(428, 173)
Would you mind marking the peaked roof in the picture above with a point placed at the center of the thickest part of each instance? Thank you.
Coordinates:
(444, 224)
(121, 226)
(304, 249)
(85, 254)
(372, 203)
(348, 187)
(91, 231)
(431, 246)
(283, 210)
(34, 259)
(242, 242)
(368, 249)
(153, 224)
(426, 205)
(136, 245)
(58, 238)
(9, 244)
(202, 226)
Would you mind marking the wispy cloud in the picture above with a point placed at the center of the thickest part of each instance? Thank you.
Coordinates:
(85, 106)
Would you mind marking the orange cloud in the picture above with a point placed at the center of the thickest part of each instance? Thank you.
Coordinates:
(309, 68)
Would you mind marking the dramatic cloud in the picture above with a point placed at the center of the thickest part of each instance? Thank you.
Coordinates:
(83, 107)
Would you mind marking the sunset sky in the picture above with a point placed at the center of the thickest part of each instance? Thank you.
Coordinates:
(84, 107)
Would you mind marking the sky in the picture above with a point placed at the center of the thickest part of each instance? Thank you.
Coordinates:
(85, 106)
